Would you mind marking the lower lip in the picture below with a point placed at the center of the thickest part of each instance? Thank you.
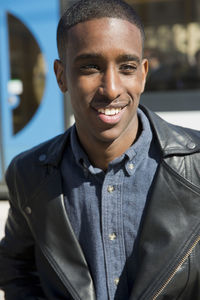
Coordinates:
(113, 119)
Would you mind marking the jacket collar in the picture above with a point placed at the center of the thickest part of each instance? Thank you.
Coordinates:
(172, 140)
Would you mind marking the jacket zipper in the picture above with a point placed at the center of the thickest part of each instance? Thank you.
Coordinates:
(177, 268)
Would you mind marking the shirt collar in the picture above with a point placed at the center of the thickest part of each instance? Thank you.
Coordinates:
(140, 149)
(80, 155)
(130, 157)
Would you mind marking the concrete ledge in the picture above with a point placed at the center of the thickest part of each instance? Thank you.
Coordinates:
(4, 206)
(2, 295)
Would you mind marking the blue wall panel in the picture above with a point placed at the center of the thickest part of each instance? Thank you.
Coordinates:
(41, 18)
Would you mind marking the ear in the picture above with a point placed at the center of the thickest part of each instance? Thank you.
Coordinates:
(145, 68)
(59, 70)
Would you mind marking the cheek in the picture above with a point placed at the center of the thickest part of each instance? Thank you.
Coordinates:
(141, 80)
(90, 82)
(81, 93)
(86, 86)
(76, 92)
(79, 86)
(135, 86)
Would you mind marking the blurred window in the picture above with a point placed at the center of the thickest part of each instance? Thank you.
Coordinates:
(172, 43)
(27, 73)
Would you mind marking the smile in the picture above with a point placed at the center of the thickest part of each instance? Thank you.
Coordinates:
(109, 111)
(110, 115)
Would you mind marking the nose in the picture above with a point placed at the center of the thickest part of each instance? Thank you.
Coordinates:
(111, 84)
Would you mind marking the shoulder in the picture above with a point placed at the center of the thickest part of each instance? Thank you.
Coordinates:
(39, 152)
(29, 168)
(173, 139)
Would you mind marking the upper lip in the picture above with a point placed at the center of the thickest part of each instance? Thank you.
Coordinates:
(104, 103)
(121, 105)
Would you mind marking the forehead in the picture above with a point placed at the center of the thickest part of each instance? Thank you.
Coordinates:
(104, 35)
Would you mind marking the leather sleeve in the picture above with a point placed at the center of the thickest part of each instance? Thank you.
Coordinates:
(18, 274)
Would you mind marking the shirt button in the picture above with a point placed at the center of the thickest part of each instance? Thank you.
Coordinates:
(110, 188)
(131, 166)
(116, 281)
(28, 210)
(112, 236)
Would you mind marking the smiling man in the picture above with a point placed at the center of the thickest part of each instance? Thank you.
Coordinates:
(104, 72)
(110, 209)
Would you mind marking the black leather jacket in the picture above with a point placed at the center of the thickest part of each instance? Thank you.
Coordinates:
(40, 240)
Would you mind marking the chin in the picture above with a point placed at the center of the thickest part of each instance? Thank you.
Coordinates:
(109, 136)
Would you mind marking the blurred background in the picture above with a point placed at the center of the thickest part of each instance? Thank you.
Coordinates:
(32, 109)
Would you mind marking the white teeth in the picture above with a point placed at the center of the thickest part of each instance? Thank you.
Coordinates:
(109, 111)
(101, 110)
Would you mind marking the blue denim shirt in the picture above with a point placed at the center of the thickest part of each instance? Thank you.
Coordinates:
(105, 209)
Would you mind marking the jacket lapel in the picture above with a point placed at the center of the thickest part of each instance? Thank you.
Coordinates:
(171, 226)
(52, 229)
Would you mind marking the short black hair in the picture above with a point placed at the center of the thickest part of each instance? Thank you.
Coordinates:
(85, 10)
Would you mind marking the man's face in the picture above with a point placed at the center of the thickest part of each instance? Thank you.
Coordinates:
(104, 75)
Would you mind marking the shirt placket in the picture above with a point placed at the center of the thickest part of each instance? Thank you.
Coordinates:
(112, 229)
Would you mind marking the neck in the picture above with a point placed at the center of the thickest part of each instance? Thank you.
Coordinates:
(102, 153)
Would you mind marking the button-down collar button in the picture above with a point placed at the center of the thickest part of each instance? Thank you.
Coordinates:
(191, 145)
(116, 281)
(112, 236)
(110, 188)
(131, 166)
(42, 157)
(28, 210)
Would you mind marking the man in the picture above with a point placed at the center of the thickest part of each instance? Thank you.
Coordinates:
(110, 209)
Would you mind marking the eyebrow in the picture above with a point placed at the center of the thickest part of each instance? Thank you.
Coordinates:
(120, 58)
(129, 57)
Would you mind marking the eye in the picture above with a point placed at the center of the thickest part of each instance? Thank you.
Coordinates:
(89, 68)
(128, 68)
